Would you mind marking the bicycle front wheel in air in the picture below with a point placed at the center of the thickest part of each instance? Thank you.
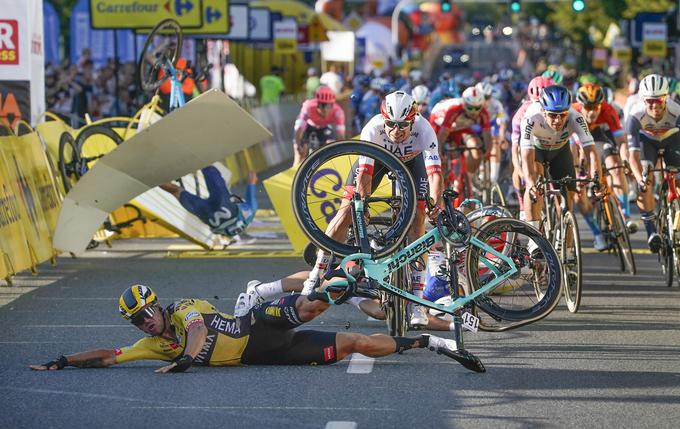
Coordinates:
(570, 255)
(319, 189)
(620, 231)
(162, 47)
(528, 295)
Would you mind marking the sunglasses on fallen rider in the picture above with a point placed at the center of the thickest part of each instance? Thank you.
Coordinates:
(657, 100)
(400, 124)
(142, 316)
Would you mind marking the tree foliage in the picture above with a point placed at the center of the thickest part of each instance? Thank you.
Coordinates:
(576, 25)
(633, 7)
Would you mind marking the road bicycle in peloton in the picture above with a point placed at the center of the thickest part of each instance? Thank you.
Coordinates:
(499, 246)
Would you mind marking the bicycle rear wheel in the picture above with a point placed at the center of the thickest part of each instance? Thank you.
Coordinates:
(571, 262)
(395, 307)
(675, 236)
(620, 231)
(318, 187)
(69, 161)
(94, 142)
(162, 46)
(530, 294)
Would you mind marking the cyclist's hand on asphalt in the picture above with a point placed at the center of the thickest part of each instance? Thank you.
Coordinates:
(52, 365)
(166, 368)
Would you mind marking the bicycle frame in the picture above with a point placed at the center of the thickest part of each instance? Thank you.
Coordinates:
(380, 269)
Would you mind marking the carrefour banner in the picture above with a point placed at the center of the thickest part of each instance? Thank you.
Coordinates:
(110, 14)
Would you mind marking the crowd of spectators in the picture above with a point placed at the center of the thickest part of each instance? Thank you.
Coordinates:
(73, 90)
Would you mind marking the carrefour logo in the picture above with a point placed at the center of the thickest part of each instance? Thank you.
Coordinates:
(181, 7)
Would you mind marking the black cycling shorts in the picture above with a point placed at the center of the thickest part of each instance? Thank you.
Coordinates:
(416, 166)
(273, 341)
(649, 150)
(559, 163)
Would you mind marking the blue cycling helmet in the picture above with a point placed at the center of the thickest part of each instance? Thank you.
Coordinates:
(448, 88)
(518, 86)
(555, 98)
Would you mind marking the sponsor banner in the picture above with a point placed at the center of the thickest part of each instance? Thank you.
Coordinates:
(15, 101)
(238, 22)
(216, 19)
(328, 179)
(260, 25)
(23, 169)
(9, 42)
(340, 46)
(41, 179)
(285, 36)
(52, 33)
(126, 14)
(14, 253)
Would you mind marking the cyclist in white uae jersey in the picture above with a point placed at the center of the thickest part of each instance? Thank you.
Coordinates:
(399, 129)
(546, 128)
(652, 124)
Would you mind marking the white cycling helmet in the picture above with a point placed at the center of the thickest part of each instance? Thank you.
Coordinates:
(420, 94)
(473, 97)
(416, 75)
(398, 106)
(653, 85)
(485, 88)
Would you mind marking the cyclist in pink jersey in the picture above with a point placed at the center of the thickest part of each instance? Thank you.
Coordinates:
(321, 116)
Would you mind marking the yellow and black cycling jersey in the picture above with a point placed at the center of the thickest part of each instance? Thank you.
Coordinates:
(227, 336)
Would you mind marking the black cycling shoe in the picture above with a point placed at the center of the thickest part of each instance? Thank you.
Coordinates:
(465, 358)
(367, 289)
(654, 242)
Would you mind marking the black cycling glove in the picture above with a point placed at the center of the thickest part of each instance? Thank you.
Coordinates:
(183, 363)
(60, 362)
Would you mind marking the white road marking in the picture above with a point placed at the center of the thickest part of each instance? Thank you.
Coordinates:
(82, 394)
(246, 407)
(360, 364)
(341, 425)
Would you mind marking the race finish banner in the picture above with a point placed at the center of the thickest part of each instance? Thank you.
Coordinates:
(126, 14)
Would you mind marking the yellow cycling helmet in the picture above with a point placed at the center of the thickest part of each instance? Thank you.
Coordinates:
(135, 299)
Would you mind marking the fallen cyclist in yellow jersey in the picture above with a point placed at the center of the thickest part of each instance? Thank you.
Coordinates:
(193, 332)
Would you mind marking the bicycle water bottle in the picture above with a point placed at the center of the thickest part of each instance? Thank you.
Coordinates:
(436, 285)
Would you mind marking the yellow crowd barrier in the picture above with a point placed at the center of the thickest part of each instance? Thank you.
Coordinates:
(29, 204)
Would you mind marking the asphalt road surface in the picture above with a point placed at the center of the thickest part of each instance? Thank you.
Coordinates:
(614, 364)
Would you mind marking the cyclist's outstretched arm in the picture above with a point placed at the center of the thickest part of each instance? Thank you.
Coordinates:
(99, 358)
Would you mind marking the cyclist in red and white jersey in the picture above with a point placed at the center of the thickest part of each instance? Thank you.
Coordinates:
(318, 113)
(463, 122)
(400, 130)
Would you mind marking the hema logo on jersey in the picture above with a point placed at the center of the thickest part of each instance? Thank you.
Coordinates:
(9, 41)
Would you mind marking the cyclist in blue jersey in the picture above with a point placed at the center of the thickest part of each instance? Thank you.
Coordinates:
(447, 89)
(225, 213)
